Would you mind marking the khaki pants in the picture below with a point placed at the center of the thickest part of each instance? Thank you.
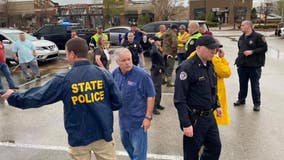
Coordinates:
(103, 151)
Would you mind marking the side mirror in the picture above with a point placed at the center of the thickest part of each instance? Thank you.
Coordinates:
(6, 41)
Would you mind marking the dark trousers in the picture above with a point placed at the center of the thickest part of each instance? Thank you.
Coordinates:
(253, 74)
(170, 66)
(157, 80)
(205, 132)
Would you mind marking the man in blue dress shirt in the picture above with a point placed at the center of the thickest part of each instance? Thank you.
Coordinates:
(137, 105)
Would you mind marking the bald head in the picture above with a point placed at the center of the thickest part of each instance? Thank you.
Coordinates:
(193, 27)
(247, 27)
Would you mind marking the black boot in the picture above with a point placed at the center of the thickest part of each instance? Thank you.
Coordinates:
(156, 112)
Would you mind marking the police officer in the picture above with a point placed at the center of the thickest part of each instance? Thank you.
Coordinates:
(195, 99)
(134, 47)
(157, 70)
(193, 30)
(251, 57)
(89, 101)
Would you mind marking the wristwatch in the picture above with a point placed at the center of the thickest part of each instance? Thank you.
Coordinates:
(148, 118)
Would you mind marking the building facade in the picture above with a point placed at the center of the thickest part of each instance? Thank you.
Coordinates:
(224, 11)
(32, 14)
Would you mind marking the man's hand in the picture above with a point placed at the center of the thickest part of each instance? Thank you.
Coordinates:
(146, 124)
(219, 112)
(188, 131)
(7, 94)
(248, 52)
(221, 53)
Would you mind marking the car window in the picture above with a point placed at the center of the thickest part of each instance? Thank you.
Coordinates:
(2, 38)
(15, 36)
(58, 29)
(119, 30)
(149, 28)
(45, 30)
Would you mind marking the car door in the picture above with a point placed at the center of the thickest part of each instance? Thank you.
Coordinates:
(59, 36)
(43, 32)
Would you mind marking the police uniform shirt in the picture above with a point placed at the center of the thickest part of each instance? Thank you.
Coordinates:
(135, 49)
(255, 42)
(157, 58)
(195, 87)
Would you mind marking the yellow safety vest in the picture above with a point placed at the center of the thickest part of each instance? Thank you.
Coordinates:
(182, 37)
(96, 37)
(159, 34)
(195, 36)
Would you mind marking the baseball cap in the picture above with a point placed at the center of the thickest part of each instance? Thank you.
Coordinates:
(133, 24)
(174, 26)
(209, 42)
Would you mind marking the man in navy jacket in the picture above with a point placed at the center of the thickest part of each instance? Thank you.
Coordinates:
(90, 96)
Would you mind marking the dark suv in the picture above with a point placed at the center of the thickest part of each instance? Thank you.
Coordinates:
(153, 27)
(61, 33)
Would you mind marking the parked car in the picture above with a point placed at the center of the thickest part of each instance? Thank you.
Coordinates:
(115, 34)
(279, 31)
(61, 33)
(153, 27)
(45, 50)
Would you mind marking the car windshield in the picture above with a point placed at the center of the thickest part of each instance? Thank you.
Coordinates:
(15, 36)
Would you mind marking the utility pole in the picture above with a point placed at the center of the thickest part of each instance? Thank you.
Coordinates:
(282, 15)
(7, 13)
(234, 12)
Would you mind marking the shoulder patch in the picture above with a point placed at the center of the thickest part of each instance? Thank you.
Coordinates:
(263, 39)
(183, 75)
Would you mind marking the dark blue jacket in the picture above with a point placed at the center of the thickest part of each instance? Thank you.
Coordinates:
(255, 42)
(195, 88)
(89, 95)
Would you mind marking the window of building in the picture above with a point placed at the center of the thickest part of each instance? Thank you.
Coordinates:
(199, 13)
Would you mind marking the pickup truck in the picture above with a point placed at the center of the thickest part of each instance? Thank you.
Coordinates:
(61, 33)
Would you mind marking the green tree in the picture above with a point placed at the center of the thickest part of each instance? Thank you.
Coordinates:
(164, 9)
(112, 8)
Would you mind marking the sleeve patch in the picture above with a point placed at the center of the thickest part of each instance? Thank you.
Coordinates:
(183, 75)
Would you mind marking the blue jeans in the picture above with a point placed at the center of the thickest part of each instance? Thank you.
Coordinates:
(135, 143)
(6, 72)
(34, 67)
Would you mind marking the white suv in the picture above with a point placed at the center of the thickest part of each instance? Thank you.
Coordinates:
(45, 50)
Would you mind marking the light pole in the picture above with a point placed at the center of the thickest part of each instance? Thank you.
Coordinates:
(282, 15)
(234, 16)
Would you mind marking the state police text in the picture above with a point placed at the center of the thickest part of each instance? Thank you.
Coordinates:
(87, 92)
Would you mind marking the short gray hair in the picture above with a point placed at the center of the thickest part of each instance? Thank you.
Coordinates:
(118, 51)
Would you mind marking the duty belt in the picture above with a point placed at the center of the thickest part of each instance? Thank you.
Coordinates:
(201, 113)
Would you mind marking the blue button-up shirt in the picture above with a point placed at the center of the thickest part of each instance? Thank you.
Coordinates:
(136, 86)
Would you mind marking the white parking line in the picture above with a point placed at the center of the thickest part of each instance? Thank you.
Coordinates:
(64, 148)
